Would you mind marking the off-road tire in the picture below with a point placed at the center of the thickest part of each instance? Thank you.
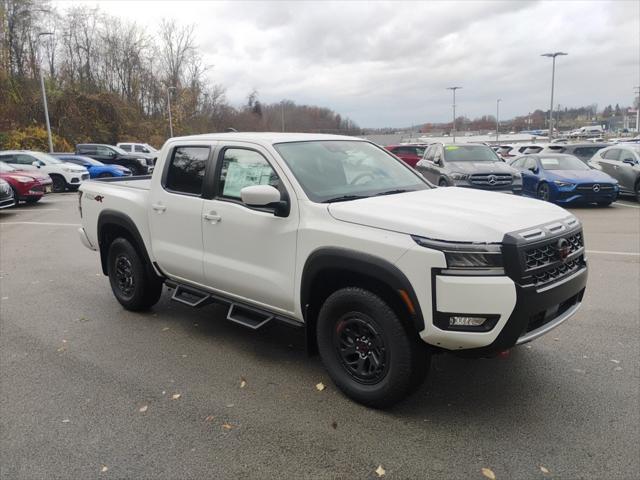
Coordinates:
(406, 358)
(134, 286)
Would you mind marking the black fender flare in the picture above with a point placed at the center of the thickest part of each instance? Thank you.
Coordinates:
(113, 217)
(335, 258)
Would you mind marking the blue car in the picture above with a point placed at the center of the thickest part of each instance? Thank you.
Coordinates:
(565, 180)
(96, 169)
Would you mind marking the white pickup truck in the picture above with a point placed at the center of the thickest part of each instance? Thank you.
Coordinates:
(338, 236)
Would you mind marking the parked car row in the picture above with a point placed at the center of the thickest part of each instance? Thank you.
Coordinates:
(563, 173)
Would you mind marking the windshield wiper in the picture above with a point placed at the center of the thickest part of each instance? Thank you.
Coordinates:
(392, 192)
(345, 198)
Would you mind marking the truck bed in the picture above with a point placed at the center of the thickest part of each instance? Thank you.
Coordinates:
(141, 182)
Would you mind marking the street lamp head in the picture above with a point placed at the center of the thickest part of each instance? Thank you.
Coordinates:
(554, 54)
(454, 88)
(43, 34)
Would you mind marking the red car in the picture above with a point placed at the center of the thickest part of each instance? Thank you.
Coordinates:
(29, 186)
(410, 154)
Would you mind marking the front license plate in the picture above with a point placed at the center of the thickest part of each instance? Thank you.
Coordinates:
(47, 189)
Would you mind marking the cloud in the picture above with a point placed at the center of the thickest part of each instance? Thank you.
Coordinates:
(388, 63)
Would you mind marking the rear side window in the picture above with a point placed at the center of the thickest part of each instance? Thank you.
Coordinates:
(613, 154)
(243, 168)
(125, 147)
(185, 173)
(140, 148)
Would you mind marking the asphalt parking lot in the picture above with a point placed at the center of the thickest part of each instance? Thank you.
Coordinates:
(90, 390)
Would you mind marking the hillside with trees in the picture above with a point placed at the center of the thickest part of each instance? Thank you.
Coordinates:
(108, 80)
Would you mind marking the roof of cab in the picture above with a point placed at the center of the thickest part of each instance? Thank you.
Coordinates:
(265, 137)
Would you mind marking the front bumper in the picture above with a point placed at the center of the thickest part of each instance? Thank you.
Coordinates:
(525, 312)
(84, 239)
(7, 202)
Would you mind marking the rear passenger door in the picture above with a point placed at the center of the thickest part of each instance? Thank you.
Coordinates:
(249, 253)
(529, 178)
(175, 212)
(426, 166)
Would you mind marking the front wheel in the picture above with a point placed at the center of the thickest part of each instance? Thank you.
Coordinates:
(105, 175)
(443, 183)
(544, 193)
(370, 353)
(59, 183)
(604, 204)
(132, 284)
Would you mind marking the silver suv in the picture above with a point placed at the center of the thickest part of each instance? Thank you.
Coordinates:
(622, 162)
(468, 165)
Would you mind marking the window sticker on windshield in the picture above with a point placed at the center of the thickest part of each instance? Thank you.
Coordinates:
(240, 175)
(451, 147)
(549, 161)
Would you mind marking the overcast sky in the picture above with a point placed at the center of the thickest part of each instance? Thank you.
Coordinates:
(389, 63)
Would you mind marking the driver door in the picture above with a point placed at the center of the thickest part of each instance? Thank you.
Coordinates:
(426, 166)
(249, 253)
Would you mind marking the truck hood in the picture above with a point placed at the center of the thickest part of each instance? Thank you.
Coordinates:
(450, 214)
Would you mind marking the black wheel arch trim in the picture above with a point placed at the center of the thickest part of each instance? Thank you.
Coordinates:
(335, 258)
(113, 217)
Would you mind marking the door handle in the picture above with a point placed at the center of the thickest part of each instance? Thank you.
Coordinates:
(158, 207)
(212, 217)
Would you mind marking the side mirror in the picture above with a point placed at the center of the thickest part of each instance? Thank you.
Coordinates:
(533, 169)
(629, 161)
(36, 164)
(437, 161)
(265, 196)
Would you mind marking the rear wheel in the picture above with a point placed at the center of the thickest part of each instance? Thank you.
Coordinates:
(368, 351)
(132, 284)
(59, 183)
(443, 183)
(544, 193)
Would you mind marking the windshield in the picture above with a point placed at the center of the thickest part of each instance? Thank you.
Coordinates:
(46, 159)
(5, 167)
(565, 162)
(337, 170)
(469, 153)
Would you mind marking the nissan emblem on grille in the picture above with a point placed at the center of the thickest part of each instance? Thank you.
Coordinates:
(563, 248)
(492, 179)
(596, 188)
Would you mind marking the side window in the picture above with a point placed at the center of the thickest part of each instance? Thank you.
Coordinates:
(140, 148)
(185, 173)
(243, 168)
(437, 153)
(428, 155)
(125, 147)
(7, 158)
(87, 149)
(104, 151)
(24, 159)
(613, 154)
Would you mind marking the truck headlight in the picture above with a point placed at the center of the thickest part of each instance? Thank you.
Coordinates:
(459, 176)
(467, 256)
(142, 161)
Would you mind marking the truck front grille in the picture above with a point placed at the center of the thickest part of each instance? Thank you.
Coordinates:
(541, 256)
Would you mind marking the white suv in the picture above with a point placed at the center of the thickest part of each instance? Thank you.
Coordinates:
(64, 175)
(143, 149)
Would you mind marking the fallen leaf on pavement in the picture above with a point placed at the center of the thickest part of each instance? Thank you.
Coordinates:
(615, 361)
(227, 426)
(104, 468)
(61, 349)
(380, 471)
(66, 420)
(175, 396)
(543, 470)
(334, 425)
(143, 409)
(243, 382)
(487, 472)
(320, 386)
(165, 329)
(617, 369)
(208, 418)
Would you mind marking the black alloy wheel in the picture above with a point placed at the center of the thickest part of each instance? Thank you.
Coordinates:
(59, 184)
(361, 348)
(544, 193)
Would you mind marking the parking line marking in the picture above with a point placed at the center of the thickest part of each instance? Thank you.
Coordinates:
(34, 210)
(50, 224)
(626, 205)
(606, 252)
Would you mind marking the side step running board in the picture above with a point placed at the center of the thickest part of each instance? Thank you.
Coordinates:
(190, 296)
(248, 317)
(242, 314)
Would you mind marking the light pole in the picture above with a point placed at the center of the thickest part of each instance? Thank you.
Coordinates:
(44, 95)
(498, 119)
(169, 108)
(282, 113)
(453, 89)
(638, 111)
(553, 77)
